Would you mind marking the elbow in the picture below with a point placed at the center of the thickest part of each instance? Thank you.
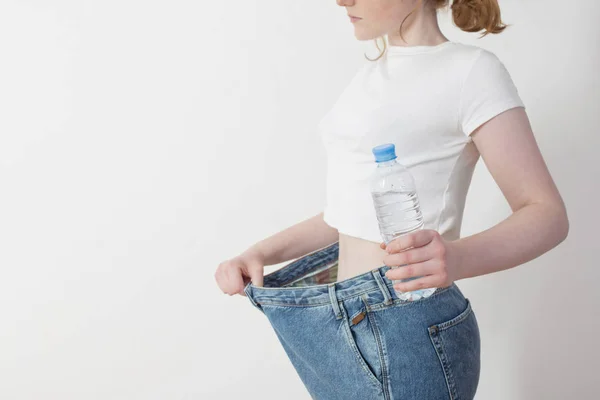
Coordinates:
(566, 229)
(563, 225)
(558, 220)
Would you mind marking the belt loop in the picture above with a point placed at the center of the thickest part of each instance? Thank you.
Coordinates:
(334, 301)
(248, 292)
(382, 286)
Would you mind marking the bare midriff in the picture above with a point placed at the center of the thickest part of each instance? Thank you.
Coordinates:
(357, 256)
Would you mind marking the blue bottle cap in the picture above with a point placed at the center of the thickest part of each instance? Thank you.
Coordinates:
(384, 152)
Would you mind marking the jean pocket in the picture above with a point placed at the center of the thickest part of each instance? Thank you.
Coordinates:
(362, 340)
(457, 344)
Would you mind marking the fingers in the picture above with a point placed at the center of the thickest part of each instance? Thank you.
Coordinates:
(245, 281)
(412, 256)
(256, 275)
(230, 279)
(234, 282)
(422, 283)
(428, 267)
(414, 239)
(241, 291)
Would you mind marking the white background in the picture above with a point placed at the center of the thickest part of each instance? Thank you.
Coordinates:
(144, 142)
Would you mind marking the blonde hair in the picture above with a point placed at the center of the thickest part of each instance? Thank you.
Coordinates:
(468, 15)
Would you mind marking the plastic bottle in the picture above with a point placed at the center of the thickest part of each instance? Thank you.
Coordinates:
(396, 205)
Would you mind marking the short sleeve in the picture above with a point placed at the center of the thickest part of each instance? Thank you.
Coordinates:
(488, 90)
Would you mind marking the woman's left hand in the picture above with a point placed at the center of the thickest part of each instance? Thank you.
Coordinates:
(427, 255)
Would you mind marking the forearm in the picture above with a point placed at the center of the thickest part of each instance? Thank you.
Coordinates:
(297, 240)
(526, 234)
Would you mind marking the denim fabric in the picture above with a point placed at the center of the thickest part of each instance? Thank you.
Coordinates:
(355, 339)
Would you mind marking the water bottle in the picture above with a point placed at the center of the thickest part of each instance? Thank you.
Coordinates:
(396, 205)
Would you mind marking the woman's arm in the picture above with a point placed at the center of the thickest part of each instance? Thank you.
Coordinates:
(539, 221)
(297, 240)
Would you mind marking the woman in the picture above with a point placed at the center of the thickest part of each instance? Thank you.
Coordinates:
(444, 104)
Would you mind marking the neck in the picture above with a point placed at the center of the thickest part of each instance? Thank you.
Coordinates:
(420, 29)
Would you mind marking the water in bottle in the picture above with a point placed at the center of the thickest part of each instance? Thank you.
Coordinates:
(396, 205)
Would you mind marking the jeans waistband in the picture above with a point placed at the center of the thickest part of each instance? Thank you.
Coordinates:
(276, 285)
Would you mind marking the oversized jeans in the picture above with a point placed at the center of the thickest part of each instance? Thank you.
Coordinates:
(355, 339)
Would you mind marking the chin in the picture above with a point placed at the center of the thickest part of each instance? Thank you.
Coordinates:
(362, 36)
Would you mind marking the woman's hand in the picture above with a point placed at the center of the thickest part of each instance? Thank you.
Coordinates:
(428, 255)
(233, 275)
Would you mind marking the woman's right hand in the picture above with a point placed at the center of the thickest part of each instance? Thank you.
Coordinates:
(233, 275)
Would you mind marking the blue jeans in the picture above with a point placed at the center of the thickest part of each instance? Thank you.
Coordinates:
(355, 339)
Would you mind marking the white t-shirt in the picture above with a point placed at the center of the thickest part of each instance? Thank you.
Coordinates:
(427, 100)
